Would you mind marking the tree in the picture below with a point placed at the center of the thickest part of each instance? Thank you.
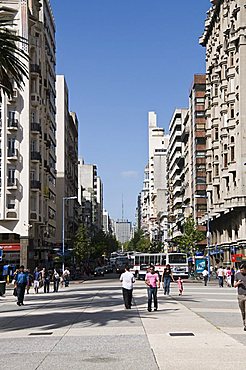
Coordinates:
(81, 245)
(139, 243)
(12, 59)
(187, 242)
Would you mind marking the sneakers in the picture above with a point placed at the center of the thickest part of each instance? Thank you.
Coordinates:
(149, 309)
(155, 309)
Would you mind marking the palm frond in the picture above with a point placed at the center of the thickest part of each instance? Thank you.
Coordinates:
(12, 59)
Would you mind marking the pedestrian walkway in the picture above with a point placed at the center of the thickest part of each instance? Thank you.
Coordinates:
(86, 327)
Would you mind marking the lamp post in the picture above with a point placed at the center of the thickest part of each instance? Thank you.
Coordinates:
(208, 244)
(63, 229)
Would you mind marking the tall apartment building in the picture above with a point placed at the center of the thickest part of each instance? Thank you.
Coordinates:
(67, 164)
(158, 144)
(28, 192)
(90, 196)
(175, 199)
(122, 230)
(193, 157)
(144, 204)
(224, 40)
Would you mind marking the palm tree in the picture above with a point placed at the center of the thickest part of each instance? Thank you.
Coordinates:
(12, 59)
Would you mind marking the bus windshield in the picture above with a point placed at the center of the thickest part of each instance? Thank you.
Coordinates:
(177, 258)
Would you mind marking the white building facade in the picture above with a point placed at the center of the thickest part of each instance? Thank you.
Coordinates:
(28, 177)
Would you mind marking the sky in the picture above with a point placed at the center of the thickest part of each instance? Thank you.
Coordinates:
(122, 59)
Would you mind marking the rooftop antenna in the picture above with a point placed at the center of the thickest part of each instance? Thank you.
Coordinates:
(122, 209)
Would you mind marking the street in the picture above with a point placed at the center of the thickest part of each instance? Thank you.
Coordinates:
(85, 326)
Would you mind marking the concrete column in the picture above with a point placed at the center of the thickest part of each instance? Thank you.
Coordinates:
(24, 243)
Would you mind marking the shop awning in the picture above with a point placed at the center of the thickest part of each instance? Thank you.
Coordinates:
(10, 247)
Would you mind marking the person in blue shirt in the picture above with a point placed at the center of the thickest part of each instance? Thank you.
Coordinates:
(21, 282)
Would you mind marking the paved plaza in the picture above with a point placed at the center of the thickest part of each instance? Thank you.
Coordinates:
(86, 326)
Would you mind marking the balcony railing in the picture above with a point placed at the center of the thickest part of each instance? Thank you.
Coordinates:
(35, 68)
(35, 156)
(35, 184)
(36, 127)
(12, 123)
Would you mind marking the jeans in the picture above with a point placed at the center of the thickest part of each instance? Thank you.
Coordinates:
(152, 292)
(205, 280)
(127, 296)
(221, 281)
(56, 284)
(46, 286)
(242, 305)
(167, 281)
(21, 292)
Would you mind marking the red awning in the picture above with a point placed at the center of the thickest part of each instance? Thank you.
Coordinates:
(10, 247)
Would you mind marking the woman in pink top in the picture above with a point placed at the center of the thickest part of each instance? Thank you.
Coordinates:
(153, 282)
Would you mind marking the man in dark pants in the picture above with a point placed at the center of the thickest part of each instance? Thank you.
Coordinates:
(127, 280)
(21, 283)
(240, 284)
(153, 282)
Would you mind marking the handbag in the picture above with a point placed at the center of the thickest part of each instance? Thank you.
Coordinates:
(15, 292)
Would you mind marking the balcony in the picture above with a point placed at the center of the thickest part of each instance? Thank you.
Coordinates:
(35, 156)
(35, 185)
(34, 68)
(12, 154)
(12, 124)
(12, 183)
(36, 127)
(35, 99)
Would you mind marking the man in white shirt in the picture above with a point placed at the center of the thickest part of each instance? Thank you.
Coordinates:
(220, 274)
(127, 280)
(205, 276)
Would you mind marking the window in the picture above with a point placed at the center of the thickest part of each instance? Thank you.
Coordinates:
(200, 100)
(216, 90)
(11, 203)
(232, 153)
(200, 114)
(231, 62)
(216, 133)
(11, 176)
(232, 111)
(225, 160)
(216, 169)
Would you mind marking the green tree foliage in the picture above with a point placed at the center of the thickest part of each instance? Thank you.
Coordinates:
(12, 59)
(81, 244)
(139, 243)
(103, 244)
(187, 242)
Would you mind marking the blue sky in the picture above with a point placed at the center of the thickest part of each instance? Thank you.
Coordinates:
(121, 59)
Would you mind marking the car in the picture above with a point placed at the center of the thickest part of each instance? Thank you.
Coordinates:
(99, 271)
(108, 269)
(142, 272)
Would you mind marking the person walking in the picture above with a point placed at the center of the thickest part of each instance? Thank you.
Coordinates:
(228, 277)
(220, 274)
(36, 278)
(205, 276)
(153, 282)
(56, 280)
(66, 277)
(127, 280)
(167, 277)
(21, 281)
(232, 276)
(240, 284)
(46, 280)
(180, 285)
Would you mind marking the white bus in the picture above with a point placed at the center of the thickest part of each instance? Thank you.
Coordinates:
(177, 261)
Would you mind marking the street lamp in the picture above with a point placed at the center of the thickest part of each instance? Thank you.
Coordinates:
(63, 229)
(208, 244)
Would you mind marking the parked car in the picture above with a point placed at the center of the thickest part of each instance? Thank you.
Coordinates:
(108, 269)
(99, 271)
(142, 272)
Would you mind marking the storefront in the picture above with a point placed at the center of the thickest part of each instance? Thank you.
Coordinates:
(10, 254)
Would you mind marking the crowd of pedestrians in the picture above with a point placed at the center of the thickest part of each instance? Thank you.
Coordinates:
(229, 275)
(40, 278)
